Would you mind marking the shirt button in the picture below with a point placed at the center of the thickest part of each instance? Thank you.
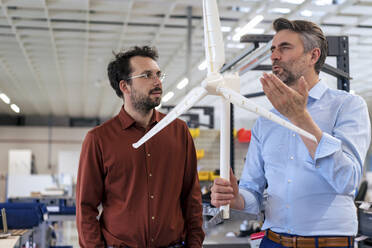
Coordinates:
(292, 157)
(151, 196)
(153, 217)
(289, 180)
(294, 134)
(148, 154)
(152, 240)
(150, 175)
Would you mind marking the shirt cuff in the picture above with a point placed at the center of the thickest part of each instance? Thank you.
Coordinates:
(251, 204)
(328, 145)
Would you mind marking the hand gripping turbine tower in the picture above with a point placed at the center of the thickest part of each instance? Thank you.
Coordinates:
(226, 86)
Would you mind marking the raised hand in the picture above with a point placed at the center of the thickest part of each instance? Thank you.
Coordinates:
(290, 102)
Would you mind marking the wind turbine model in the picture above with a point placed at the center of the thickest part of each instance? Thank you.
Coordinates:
(227, 86)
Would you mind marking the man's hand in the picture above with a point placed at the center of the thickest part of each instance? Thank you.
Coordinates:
(289, 102)
(225, 192)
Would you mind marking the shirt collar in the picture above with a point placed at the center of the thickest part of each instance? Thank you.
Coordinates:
(127, 121)
(318, 90)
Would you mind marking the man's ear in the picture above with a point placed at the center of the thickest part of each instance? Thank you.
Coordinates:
(315, 55)
(123, 85)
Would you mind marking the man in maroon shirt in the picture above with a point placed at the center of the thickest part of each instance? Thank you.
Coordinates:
(151, 195)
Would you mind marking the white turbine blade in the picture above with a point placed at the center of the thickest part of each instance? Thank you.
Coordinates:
(247, 104)
(190, 99)
(213, 42)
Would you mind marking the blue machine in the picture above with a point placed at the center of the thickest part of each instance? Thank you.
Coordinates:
(24, 215)
(57, 206)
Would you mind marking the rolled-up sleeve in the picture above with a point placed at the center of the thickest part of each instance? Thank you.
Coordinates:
(340, 155)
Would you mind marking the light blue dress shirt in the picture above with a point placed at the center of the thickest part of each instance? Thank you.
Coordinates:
(309, 196)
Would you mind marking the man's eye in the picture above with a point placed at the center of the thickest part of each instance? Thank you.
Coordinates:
(148, 74)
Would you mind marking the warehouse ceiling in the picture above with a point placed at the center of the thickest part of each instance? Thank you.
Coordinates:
(54, 53)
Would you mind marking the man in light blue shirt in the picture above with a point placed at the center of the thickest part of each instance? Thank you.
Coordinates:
(310, 185)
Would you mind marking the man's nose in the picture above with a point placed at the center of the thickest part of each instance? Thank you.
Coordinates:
(157, 81)
(275, 55)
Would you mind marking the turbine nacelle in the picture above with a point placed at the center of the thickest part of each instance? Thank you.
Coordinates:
(216, 80)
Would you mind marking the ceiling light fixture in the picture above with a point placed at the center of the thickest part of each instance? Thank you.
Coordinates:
(250, 25)
(5, 98)
(306, 13)
(15, 108)
(202, 66)
(280, 10)
(293, 1)
(168, 96)
(182, 83)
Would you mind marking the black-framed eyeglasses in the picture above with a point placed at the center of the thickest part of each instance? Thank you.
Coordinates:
(150, 75)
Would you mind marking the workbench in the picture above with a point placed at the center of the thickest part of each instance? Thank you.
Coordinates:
(17, 239)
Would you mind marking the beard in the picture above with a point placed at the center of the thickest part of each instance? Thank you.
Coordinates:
(144, 103)
(290, 72)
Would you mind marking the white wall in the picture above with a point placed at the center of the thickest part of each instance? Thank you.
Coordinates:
(37, 139)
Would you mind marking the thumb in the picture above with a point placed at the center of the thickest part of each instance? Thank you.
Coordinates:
(303, 87)
(232, 176)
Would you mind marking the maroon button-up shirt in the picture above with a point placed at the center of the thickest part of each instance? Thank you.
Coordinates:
(150, 196)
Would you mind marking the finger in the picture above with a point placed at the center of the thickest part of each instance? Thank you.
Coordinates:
(265, 87)
(270, 93)
(274, 87)
(233, 179)
(222, 189)
(282, 87)
(221, 181)
(303, 88)
(221, 197)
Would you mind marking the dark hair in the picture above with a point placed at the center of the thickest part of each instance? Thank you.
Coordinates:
(311, 34)
(119, 68)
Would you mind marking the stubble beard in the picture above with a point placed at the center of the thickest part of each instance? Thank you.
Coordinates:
(290, 73)
(144, 104)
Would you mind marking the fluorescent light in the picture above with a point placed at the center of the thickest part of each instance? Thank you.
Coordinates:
(15, 108)
(280, 10)
(225, 29)
(5, 98)
(182, 83)
(244, 9)
(235, 45)
(168, 96)
(306, 13)
(202, 66)
(293, 1)
(323, 2)
(241, 31)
